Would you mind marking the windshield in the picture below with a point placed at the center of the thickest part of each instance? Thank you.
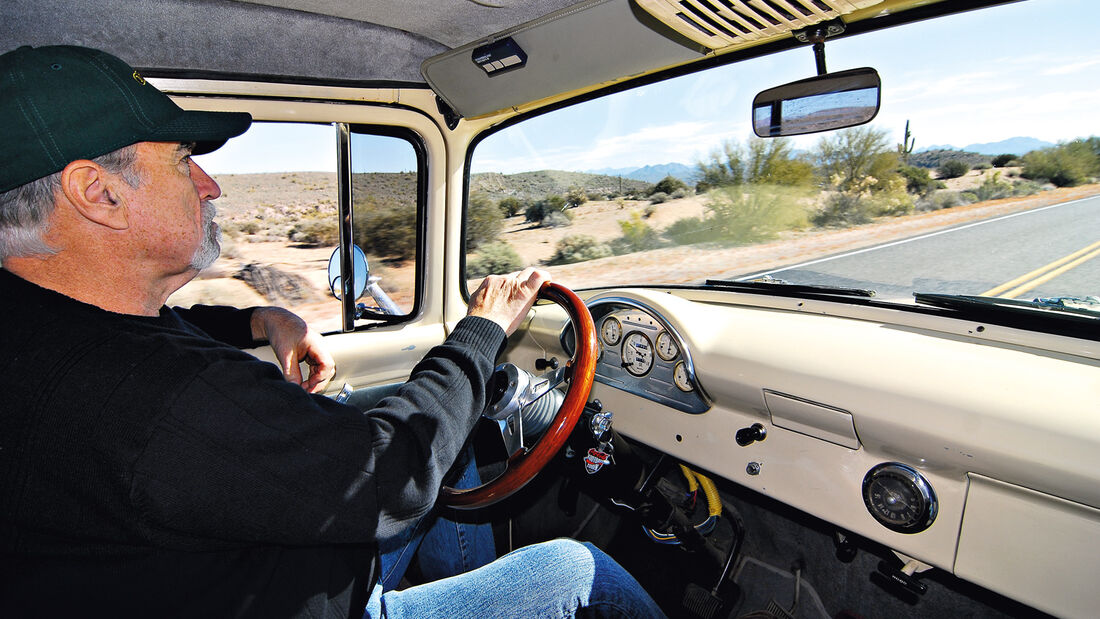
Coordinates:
(976, 177)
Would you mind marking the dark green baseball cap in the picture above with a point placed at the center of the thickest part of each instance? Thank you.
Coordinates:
(62, 103)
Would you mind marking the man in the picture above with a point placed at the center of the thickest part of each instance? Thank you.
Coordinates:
(150, 468)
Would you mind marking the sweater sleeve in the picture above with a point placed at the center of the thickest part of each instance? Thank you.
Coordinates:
(227, 325)
(245, 456)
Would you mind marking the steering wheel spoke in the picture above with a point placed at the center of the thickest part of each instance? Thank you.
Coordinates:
(513, 390)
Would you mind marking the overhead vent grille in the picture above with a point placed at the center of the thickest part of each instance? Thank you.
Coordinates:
(718, 24)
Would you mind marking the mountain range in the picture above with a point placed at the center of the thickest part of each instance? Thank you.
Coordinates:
(689, 174)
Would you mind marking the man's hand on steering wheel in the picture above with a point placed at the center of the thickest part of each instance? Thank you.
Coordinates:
(506, 299)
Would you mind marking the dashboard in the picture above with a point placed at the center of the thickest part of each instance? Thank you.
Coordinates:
(642, 353)
(959, 445)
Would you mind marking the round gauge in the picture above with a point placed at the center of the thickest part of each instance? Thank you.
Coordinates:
(680, 376)
(899, 497)
(666, 346)
(637, 353)
(611, 331)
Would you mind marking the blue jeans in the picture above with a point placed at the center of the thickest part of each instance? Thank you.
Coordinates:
(560, 578)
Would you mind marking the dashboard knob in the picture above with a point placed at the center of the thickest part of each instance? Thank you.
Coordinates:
(748, 436)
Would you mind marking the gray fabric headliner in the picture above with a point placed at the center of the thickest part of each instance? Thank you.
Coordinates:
(232, 37)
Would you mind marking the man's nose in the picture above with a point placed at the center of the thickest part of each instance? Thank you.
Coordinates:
(207, 187)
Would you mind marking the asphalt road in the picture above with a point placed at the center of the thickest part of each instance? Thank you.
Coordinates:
(1049, 251)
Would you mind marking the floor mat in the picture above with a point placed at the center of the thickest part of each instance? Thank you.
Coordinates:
(769, 591)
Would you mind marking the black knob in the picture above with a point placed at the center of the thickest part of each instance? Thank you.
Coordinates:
(542, 364)
(748, 436)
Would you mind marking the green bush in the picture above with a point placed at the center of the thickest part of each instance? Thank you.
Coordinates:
(690, 230)
(668, 185)
(483, 221)
(320, 232)
(575, 197)
(1001, 161)
(390, 231)
(939, 200)
(493, 259)
(917, 180)
(843, 209)
(658, 198)
(750, 213)
(556, 219)
(1065, 165)
(538, 211)
(953, 168)
(578, 248)
(510, 206)
(637, 236)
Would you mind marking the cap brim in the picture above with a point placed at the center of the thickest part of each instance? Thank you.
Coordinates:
(208, 130)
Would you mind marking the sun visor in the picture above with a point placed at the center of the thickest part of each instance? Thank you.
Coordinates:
(592, 43)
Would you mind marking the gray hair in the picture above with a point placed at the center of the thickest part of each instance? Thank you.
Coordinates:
(25, 211)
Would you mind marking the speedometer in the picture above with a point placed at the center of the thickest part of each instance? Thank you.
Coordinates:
(637, 353)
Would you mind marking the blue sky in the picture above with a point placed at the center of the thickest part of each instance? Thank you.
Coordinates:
(1027, 69)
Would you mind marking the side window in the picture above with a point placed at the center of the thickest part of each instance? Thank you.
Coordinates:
(387, 187)
(278, 217)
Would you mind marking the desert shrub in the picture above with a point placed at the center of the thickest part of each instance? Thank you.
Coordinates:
(1026, 188)
(992, 188)
(939, 200)
(752, 213)
(578, 248)
(689, 230)
(1001, 161)
(595, 196)
(510, 206)
(575, 197)
(984, 165)
(1065, 165)
(658, 198)
(316, 232)
(667, 185)
(843, 209)
(391, 231)
(483, 221)
(249, 227)
(917, 180)
(650, 209)
(758, 162)
(538, 211)
(683, 192)
(556, 219)
(637, 236)
(851, 155)
(953, 168)
(493, 259)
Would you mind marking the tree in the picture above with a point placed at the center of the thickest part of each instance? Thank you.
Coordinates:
(760, 161)
(667, 185)
(510, 206)
(848, 156)
(575, 197)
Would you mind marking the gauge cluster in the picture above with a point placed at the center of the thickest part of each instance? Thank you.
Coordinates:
(642, 354)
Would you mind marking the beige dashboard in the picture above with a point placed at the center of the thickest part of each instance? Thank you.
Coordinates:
(1003, 426)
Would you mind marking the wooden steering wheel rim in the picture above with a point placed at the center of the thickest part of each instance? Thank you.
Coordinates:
(524, 467)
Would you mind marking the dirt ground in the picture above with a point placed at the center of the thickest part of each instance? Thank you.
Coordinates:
(673, 265)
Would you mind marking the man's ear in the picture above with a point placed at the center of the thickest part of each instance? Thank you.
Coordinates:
(93, 192)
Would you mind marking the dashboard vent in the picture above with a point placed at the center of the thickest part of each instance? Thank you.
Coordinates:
(718, 24)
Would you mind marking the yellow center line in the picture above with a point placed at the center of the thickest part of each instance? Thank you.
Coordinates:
(1035, 278)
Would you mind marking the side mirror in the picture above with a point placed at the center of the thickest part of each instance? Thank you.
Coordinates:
(820, 103)
(360, 273)
(362, 283)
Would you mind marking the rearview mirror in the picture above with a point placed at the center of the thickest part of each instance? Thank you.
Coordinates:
(820, 103)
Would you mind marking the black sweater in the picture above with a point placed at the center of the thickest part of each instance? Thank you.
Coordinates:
(148, 469)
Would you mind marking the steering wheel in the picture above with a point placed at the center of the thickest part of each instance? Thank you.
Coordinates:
(508, 404)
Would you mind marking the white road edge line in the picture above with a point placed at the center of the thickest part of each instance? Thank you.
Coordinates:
(910, 239)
